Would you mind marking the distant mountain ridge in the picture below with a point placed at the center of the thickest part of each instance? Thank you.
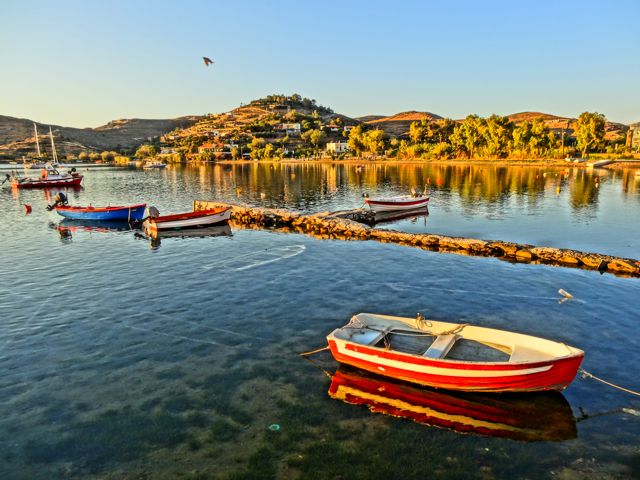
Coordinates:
(17, 135)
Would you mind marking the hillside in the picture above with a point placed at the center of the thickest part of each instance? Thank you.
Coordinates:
(17, 136)
(398, 124)
(278, 120)
(613, 130)
(283, 121)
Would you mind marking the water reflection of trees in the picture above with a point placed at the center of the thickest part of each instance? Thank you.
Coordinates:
(305, 185)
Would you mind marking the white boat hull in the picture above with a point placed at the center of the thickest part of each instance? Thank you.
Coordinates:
(392, 204)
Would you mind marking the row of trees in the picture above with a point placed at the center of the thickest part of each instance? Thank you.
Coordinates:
(476, 137)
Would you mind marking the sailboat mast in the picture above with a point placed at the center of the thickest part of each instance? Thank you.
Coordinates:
(35, 128)
(53, 147)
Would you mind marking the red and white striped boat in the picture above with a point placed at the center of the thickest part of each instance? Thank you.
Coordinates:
(200, 218)
(402, 202)
(454, 356)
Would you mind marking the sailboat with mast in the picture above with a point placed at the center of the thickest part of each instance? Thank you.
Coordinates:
(50, 176)
(54, 154)
(39, 161)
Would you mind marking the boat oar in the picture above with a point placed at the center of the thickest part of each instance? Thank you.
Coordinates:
(6, 177)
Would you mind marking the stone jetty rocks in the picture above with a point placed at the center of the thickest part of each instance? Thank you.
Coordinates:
(356, 225)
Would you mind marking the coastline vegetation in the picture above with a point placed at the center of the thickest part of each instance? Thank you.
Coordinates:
(281, 127)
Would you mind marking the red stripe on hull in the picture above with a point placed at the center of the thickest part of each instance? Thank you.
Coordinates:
(561, 373)
(74, 182)
(399, 204)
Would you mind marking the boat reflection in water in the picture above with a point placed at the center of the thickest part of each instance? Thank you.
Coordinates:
(395, 215)
(216, 231)
(545, 416)
(67, 227)
(95, 225)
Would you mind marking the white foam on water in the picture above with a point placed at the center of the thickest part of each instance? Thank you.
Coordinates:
(256, 259)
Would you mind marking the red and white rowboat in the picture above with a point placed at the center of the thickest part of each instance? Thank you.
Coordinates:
(200, 218)
(402, 202)
(454, 356)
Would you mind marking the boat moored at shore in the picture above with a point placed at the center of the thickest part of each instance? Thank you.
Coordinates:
(195, 219)
(126, 213)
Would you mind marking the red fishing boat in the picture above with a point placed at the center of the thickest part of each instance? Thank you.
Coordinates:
(197, 219)
(454, 356)
(49, 178)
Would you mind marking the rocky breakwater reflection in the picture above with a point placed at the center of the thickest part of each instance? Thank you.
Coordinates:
(350, 226)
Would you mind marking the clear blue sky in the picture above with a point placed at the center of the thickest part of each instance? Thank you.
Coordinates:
(83, 63)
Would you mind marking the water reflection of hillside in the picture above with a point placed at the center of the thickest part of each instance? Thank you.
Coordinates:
(306, 185)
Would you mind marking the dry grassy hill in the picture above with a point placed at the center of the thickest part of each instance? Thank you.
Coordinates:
(398, 124)
(613, 130)
(17, 136)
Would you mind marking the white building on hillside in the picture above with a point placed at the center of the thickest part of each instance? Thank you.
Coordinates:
(337, 147)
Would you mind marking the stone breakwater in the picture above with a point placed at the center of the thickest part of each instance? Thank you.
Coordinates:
(341, 226)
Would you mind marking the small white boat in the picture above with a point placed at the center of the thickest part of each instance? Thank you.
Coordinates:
(401, 202)
(454, 356)
(197, 219)
(152, 165)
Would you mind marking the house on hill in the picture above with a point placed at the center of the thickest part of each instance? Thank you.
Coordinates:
(208, 147)
(633, 136)
(337, 147)
(289, 128)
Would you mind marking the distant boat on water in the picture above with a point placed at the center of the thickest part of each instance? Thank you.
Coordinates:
(152, 165)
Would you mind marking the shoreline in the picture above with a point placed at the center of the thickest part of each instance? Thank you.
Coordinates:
(503, 162)
(631, 163)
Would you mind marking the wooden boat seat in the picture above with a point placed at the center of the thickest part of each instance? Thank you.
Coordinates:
(441, 346)
(367, 337)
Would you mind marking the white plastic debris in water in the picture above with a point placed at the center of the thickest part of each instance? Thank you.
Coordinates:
(631, 411)
(565, 294)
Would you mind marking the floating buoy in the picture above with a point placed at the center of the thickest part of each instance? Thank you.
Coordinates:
(27, 208)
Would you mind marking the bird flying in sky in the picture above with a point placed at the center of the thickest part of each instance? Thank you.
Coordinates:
(207, 61)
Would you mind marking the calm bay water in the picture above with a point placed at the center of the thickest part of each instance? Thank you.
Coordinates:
(123, 359)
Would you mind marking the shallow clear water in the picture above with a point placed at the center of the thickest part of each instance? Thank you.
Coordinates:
(121, 360)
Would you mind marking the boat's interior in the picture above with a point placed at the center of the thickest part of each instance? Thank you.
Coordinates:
(449, 346)
(451, 341)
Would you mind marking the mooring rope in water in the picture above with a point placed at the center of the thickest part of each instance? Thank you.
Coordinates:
(586, 374)
(304, 354)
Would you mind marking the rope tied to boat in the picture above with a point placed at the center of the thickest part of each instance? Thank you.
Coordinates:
(457, 329)
(318, 350)
(586, 374)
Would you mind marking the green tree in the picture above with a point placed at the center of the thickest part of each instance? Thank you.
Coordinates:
(542, 139)
(146, 151)
(108, 156)
(590, 131)
(257, 146)
(355, 142)
(467, 137)
(521, 136)
(497, 136)
(374, 141)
